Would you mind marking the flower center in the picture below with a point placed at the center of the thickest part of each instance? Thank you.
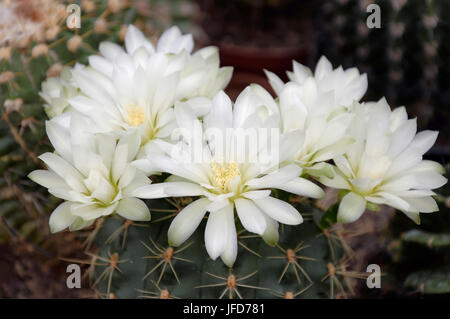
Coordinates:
(136, 115)
(224, 173)
(375, 168)
(99, 187)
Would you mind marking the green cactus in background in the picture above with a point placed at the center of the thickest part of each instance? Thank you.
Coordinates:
(422, 255)
(407, 57)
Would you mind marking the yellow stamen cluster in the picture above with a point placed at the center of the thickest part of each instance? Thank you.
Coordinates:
(136, 115)
(224, 173)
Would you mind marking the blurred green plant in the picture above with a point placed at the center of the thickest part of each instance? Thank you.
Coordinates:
(422, 256)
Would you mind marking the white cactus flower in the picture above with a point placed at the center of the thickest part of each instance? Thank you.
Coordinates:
(319, 130)
(200, 72)
(385, 165)
(137, 87)
(133, 95)
(315, 111)
(224, 183)
(56, 91)
(202, 75)
(345, 86)
(92, 174)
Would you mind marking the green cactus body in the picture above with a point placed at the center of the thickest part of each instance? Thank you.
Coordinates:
(299, 263)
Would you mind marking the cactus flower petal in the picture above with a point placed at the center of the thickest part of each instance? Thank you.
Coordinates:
(351, 208)
(231, 247)
(134, 39)
(279, 210)
(271, 234)
(303, 187)
(187, 221)
(61, 217)
(47, 179)
(133, 209)
(172, 41)
(251, 216)
(217, 231)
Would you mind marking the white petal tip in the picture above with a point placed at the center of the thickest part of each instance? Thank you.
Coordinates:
(228, 263)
